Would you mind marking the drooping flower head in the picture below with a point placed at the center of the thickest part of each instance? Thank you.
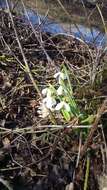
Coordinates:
(60, 76)
(61, 105)
(49, 99)
(43, 111)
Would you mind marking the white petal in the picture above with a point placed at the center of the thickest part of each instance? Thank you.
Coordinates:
(67, 107)
(50, 102)
(44, 91)
(59, 106)
(62, 76)
(60, 81)
(44, 100)
(57, 74)
(49, 92)
(54, 102)
(43, 111)
(60, 90)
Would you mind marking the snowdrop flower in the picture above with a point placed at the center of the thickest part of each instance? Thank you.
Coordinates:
(60, 76)
(60, 90)
(46, 92)
(61, 105)
(43, 111)
(50, 102)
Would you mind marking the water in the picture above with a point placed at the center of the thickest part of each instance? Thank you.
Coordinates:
(45, 24)
(3, 4)
(90, 35)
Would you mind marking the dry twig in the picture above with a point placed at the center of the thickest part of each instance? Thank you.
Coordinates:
(94, 128)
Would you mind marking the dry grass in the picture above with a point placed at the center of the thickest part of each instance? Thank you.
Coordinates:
(30, 146)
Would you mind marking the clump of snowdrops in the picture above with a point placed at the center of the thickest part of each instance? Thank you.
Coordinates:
(59, 98)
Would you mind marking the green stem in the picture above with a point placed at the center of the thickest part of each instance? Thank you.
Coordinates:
(52, 118)
(87, 173)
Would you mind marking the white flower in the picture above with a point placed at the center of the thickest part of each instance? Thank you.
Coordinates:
(67, 107)
(50, 102)
(61, 105)
(46, 92)
(43, 111)
(60, 90)
(60, 76)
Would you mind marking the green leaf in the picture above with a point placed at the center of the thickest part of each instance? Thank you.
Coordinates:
(68, 79)
(88, 120)
(66, 115)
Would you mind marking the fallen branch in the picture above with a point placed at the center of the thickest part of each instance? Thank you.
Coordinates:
(6, 184)
(42, 128)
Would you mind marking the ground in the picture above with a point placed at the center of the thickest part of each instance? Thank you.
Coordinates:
(32, 154)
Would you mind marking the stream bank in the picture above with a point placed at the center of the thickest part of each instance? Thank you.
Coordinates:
(85, 24)
(86, 31)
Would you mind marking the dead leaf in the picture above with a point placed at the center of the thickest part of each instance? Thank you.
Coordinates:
(6, 143)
